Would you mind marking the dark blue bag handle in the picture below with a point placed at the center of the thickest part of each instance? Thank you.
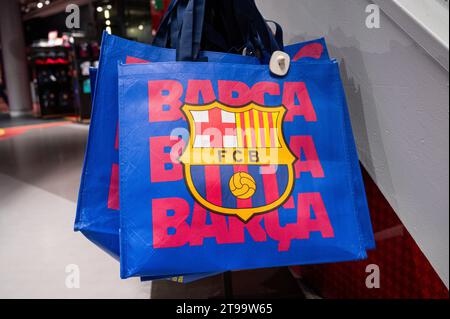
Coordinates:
(184, 22)
(230, 39)
(260, 35)
(182, 25)
(162, 36)
(188, 48)
(251, 22)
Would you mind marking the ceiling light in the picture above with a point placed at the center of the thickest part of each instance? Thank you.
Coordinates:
(99, 9)
(40, 5)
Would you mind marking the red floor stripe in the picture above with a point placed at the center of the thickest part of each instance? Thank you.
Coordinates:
(9, 132)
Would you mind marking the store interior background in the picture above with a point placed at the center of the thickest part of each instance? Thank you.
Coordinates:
(45, 113)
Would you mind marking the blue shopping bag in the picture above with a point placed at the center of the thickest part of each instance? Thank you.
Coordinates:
(98, 205)
(359, 188)
(108, 235)
(276, 189)
(97, 216)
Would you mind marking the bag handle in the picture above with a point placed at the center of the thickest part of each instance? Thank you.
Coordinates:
(222, 33)
(278, 33)
(181, 28)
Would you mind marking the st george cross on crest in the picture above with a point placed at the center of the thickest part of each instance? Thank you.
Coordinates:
(237, 162)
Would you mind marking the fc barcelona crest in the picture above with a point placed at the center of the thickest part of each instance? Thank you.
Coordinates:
(237, 161)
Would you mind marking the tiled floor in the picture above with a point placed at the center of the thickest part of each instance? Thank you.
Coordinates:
(39, 179)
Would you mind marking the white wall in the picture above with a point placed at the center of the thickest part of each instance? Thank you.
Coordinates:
(399, 104)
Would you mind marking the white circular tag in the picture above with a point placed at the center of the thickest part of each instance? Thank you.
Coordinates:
(280, 63)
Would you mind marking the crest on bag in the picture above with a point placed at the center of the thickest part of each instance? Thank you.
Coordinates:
(237, 161)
